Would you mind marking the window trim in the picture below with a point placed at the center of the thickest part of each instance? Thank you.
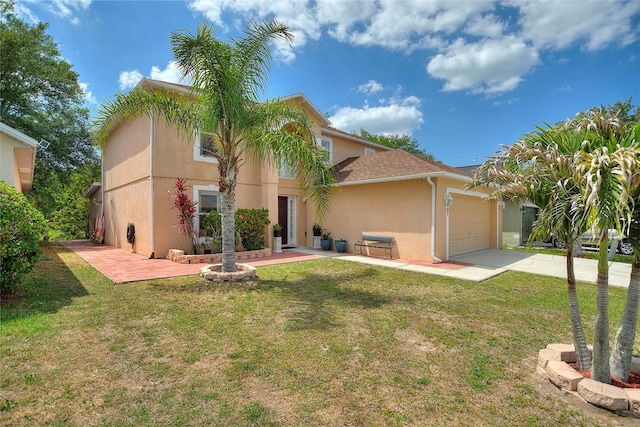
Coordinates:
(197, 189)
(197, 154)
(290, 175)
(330, 150)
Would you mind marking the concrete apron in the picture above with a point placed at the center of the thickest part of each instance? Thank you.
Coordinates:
(482, 265)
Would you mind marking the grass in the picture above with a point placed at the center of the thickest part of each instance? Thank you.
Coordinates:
(588, 253)
(318, 343)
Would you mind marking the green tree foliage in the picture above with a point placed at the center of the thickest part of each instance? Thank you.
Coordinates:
(40, 95)
(70, 220)
(21, 227)
(404, 142)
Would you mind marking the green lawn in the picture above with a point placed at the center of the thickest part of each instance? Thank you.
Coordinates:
(318, 343)
(591, 254)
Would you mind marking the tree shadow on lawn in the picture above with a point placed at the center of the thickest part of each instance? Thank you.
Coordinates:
(49, 287)
(312, 299)
(315, 299)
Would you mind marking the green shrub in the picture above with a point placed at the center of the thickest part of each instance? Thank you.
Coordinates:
(20, 229)
(250, 229)
(251, 224)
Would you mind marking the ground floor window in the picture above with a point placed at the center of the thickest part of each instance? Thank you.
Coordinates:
(208, 198)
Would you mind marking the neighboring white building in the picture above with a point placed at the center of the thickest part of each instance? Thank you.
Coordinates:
(17, 158)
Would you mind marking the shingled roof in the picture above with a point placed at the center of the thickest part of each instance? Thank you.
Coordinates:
(392, 165)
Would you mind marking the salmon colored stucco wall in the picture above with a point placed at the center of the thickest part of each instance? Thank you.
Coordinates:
(343, 148)
(126, 184)
(401, 209)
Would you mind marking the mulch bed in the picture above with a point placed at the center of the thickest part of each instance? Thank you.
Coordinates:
(634, 379)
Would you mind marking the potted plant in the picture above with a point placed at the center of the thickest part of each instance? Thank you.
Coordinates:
(341, 245)
(317, 230)
(277, 230)
(325, 242)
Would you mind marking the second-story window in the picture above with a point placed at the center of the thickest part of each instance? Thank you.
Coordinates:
(207, 146)
(327, 145)
(286, 170)
(204, 148)
(369, 150)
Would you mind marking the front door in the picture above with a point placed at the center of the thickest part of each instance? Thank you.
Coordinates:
(283, 215)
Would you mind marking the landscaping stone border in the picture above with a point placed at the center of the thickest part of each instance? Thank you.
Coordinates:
(553, 364)
(177, 255)
(213, 273)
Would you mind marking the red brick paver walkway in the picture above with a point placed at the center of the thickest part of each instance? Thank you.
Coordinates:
(123, 266)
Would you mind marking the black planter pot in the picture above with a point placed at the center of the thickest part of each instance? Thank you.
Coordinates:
(277, 233)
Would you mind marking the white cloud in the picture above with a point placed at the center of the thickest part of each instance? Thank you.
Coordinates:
(594, 24)
(485, 26)
(489, 66)
(68, 9)
(88, 96)
(478, 46)
(128, 79)
(171, 74)
(400, 117)
(24, 12)
(370, 87)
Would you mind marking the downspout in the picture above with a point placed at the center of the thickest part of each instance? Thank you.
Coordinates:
(433, 221)
(102, 184)
(151, 173)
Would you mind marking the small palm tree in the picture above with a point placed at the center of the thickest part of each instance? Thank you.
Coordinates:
(581, 174)
(228, 79)
(611, 155)
(536, 169)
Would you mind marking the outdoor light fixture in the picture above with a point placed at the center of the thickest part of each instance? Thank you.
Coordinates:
(448, 199)
(44, 144)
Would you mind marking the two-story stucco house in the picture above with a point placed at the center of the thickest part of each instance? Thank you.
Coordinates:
(421, 203)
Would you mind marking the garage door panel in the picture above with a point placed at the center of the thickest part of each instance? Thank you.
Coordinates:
(469, 225)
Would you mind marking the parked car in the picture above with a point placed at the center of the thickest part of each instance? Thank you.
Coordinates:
(590, 240)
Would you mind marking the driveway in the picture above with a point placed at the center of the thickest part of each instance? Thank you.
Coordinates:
(496, 261)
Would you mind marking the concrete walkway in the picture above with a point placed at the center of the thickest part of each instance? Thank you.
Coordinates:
(123, 266)
(482, 265)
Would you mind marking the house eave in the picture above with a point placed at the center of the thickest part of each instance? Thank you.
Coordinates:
(19, 136)
(423, 176)
(324, 121)
(93, 188)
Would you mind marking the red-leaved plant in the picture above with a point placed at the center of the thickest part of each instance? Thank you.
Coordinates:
(186, 208)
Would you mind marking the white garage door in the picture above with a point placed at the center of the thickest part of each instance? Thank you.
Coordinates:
(469, 225)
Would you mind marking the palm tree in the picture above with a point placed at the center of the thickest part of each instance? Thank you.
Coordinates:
(622, 353)
(537, 169)
(581, 174)
(611, 184)
(227, 80)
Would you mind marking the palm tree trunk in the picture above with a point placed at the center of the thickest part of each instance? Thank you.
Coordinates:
(228, 209)
(601, 370)
(579, 340)
(623, 347)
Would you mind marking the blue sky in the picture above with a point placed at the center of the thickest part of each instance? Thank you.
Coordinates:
(462, 77)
